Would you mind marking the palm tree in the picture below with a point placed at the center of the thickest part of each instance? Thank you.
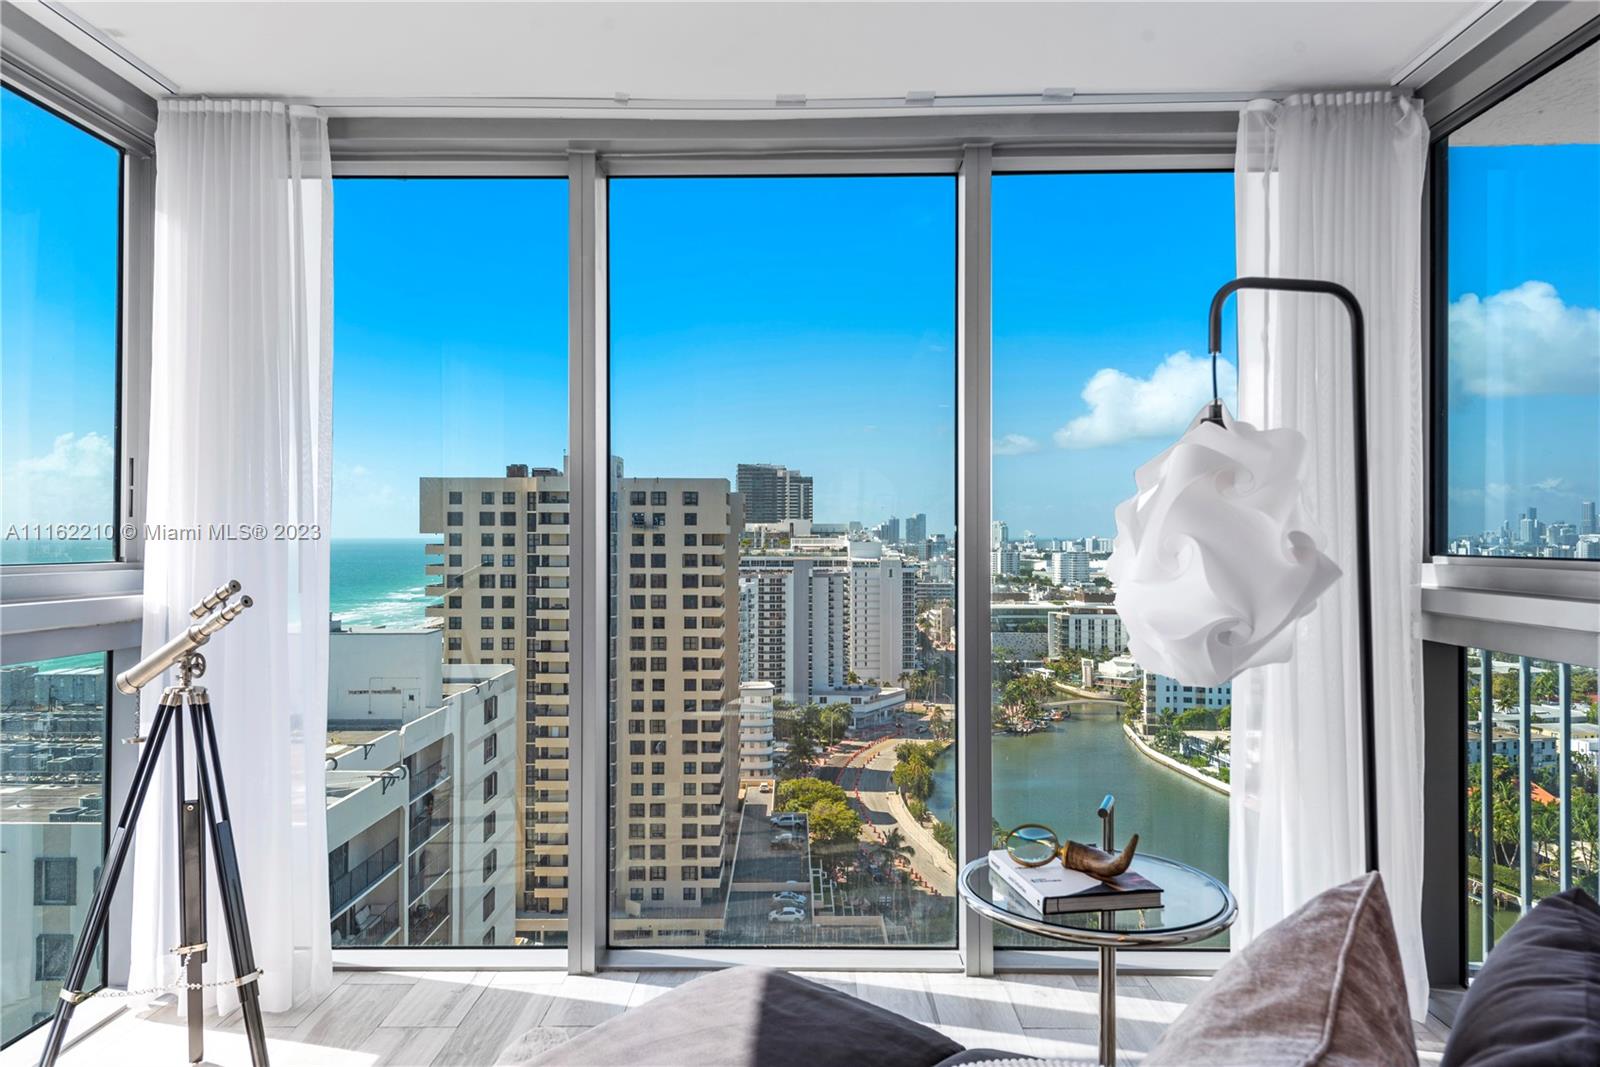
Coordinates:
(835, 720)
(895, 845)
(798, 757)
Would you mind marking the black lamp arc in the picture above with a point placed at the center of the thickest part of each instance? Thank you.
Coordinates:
(1358, 409)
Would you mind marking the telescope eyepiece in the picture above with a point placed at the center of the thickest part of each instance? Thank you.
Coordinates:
(215, 599)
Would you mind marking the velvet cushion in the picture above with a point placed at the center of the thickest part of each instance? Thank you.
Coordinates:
(1323, 987)
(1537, 999)
(750, 1017)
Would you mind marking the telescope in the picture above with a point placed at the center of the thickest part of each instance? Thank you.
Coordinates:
(202, 810)
(152, 666)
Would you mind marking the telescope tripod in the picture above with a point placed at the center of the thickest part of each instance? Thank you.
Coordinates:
(204, 815)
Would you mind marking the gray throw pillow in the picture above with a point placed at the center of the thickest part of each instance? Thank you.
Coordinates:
(1322, 988)
(749, 1017)
(1537, 999)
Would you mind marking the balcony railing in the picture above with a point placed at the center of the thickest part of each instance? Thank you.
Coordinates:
(428, 777)
(424, 876)
(343, 888)
(425, 919)
(374, 928)
(422, 829)
(1509, 751)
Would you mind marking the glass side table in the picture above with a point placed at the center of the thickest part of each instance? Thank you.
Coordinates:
(1194, 906)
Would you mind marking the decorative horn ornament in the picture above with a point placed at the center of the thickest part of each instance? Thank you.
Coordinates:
(1077, 856)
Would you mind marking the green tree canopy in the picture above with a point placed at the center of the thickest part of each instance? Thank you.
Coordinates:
(834, 822)
(799, 794)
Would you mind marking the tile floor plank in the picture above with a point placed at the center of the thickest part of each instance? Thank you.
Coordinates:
(977, 1012)
(499, 1017)
(347, 1018)
(408, 1046)
(902, 992)
(440, 999)
(590, 999)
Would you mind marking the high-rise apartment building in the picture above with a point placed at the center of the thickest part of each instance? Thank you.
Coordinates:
(819, 614)
(1004, 559)
(773, 493)
(1586, 519)
(505, 569)
(917, 528)
(53, 833)
(1069, 567)
(421, 793)
(999, 533)
(675, 748)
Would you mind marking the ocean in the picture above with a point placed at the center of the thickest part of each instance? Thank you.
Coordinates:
(378, 581)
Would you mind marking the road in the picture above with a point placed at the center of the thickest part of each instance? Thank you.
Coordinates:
(864, 772)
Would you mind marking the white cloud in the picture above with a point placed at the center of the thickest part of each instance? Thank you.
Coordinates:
(1015, 444)
(73, 482)
(1123, 408)
(1524, 342)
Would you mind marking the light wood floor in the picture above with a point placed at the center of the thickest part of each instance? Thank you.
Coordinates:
(466, 1018)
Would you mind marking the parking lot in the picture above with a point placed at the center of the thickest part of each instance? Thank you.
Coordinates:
(758, 863)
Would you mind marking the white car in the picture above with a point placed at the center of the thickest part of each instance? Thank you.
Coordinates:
(787, 818)
(785, 840)
(786, 915)
(788, 897)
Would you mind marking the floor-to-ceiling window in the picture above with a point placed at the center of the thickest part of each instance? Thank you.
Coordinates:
(1101, 286)
(1517, 473)
(447, 713)
(1522, 370)
(60, 224)
(783, 441)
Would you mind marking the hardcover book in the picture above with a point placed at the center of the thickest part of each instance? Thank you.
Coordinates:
(1052, 889)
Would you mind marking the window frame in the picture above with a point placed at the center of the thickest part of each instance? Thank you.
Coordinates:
(54, 610)
(366, 146)
(1543, 608)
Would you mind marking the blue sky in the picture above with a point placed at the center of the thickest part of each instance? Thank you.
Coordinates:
(450, 338)
(59, 190)
(1524, 287)
(804, 321)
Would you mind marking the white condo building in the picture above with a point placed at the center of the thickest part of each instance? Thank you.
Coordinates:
(755, 729)
(1085, 628)
(422, 784)
(1069, 567)
(1164, 694)
(822, 610)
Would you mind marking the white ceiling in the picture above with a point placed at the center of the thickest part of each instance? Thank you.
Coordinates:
(758, 50)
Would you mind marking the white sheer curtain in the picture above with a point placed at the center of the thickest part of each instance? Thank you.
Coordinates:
(239, 434)
(1329, 186)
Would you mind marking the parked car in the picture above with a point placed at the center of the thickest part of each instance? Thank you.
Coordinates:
(787, 818)
(766, 787)
(786, 915)
(789, 896)
(785, 840)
